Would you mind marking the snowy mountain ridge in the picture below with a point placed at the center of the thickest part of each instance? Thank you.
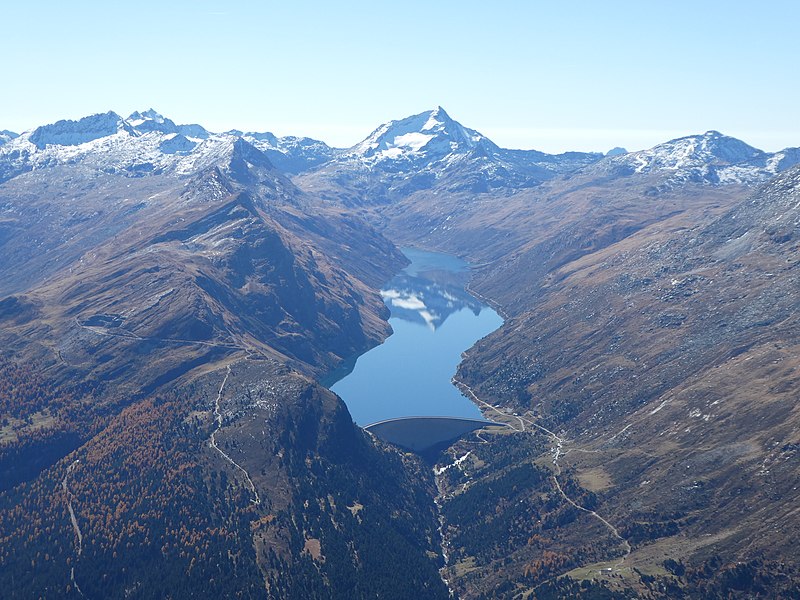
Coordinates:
(421, 151)
(7, 136)
(290, 153)
(711, 158)
(144, 143)
(150, 120)
(108, 143)
(74, 133)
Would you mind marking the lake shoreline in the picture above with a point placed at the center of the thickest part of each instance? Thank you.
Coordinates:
(434, 318)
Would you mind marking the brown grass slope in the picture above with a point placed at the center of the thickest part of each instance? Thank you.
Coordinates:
(668, 361)
(653, 327)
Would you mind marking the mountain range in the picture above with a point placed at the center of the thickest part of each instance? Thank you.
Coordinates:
(425, 150)
(170, 298)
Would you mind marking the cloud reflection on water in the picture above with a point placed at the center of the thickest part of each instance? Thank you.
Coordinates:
(428, 297)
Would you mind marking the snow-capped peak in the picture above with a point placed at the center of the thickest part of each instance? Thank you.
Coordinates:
(431, 149)
(74, 133)
(711, 157)
(150, 120)
(727, 149)
(431, 134)
(7, 136)
(710, 148)
(137, 118)
(437, 119)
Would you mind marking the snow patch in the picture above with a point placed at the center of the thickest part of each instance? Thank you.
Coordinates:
(414, 141)
(432, 122)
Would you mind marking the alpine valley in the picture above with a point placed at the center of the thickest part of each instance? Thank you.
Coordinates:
(170, 299)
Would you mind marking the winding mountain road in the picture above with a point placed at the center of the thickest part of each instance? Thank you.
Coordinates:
(123, 333)
(213, 441)
(129, 335)
(557, 450)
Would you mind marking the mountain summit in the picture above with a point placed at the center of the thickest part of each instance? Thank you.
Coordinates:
(150, 120)
(710, 148)
(708, 158)
(430, 135)
(431, 150)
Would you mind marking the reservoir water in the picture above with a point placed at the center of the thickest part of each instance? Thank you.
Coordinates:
(434, 320)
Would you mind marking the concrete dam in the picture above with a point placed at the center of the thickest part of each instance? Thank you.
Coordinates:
(420, 434)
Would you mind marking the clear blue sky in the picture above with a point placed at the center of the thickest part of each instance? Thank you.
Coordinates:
(583, 75)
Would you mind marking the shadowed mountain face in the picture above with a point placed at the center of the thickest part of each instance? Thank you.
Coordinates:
(229, 257)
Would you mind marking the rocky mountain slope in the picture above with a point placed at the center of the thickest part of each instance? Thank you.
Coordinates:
(660, 361)
(226, 255)
(175, 314)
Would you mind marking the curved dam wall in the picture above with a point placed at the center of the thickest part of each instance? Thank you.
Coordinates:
(419, 434)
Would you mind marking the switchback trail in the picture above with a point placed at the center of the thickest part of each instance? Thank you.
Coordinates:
(122, 333)
(213, 441)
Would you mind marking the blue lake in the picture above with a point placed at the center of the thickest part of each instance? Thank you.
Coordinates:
(434, 320)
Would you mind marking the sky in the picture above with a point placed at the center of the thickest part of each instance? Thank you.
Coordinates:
(552, 76)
